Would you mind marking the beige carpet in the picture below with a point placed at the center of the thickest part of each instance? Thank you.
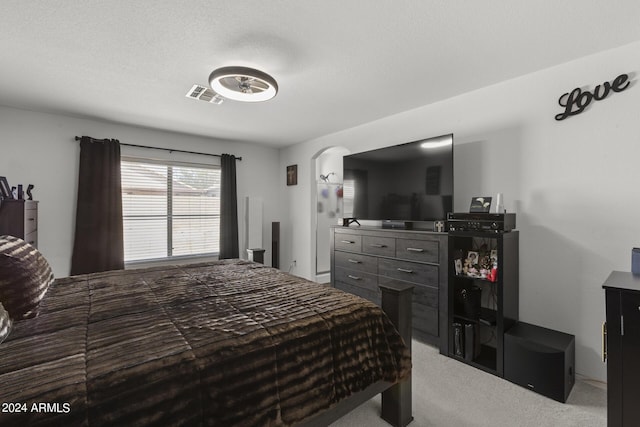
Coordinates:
(449, 393)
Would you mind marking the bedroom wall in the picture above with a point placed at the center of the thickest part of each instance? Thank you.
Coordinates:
(571, 183)
(39, 148)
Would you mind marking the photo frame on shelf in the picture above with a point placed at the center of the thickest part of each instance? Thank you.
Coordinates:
(292, 175)
(473, 257)
(480, 205)
(458, 266)
(5, 190)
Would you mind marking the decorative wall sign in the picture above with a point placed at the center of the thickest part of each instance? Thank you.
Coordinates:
(576, 101)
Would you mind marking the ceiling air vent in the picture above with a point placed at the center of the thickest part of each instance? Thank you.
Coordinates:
(203, 93)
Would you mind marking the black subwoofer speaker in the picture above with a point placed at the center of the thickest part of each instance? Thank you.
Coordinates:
(540, 359)
(275, 244)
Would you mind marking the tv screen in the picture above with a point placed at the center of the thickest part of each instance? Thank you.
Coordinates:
(406, 182)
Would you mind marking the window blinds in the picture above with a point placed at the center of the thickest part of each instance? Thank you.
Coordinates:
(169, 210)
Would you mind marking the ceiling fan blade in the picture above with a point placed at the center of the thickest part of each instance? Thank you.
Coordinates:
(257, 84)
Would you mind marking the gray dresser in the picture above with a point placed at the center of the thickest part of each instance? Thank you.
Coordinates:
(363, 257)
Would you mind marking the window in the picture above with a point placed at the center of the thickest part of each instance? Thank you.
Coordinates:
(169, 209)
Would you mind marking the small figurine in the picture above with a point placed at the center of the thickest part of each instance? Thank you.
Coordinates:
(29, 188)
(493, 274)
(485, 262)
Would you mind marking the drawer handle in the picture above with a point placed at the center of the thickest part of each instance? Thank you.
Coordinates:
(348, 241)
(377, 245)
(354, 277)
(405, 270)
(32, 219)
(415, 249)
(353, 261)
(31, 242)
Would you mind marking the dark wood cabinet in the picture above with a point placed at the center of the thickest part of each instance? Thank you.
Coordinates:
(622, 295)
(363, 258)
(19, 218)
(482, 309)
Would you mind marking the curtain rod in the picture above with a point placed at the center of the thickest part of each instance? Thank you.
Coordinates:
(170, 150)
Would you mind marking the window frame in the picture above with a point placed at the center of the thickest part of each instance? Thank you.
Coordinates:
(170, 216)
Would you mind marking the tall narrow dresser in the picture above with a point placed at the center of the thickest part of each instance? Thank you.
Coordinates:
(19, 218)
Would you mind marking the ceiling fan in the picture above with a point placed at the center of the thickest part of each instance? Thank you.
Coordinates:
(243, 84)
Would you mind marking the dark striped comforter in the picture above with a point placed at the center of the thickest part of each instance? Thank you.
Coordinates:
(226, 343)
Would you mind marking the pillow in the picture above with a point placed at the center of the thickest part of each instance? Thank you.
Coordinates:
(5, 323)
(25, 276)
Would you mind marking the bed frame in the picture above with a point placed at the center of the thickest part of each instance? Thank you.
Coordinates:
(396, 397)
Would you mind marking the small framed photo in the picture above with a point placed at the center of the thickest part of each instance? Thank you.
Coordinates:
(292, 175)
(5, 190)
(473, 257)
(480, 205)
(458, 266)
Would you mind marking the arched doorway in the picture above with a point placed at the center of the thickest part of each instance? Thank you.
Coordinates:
(327, 205)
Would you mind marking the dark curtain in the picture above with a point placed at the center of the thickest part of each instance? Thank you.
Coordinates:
(99, 243)
(228, 208)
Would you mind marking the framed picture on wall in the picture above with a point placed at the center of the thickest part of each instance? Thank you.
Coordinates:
(5, 190)
(292, 175)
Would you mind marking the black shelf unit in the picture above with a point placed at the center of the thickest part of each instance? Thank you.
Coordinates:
(498, 299)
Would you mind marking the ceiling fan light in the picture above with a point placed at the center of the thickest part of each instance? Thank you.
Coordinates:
(243, 84)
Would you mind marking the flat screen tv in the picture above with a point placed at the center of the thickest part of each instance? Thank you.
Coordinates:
(406, 182)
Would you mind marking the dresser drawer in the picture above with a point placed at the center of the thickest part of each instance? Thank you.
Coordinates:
(417, 250)
(383, 246)
(357, 278)
(425, 319)
(369, 294)
(32, 238)
(359, 262)
(30, 221)
(426, 296)
(348, 242)
(424, 307)
(423, 274)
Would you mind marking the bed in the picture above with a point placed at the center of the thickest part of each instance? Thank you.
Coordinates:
(228, 343)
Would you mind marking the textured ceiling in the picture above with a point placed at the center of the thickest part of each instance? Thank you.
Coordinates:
(338, 63)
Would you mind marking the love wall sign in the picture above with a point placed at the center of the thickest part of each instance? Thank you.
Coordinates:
(577, 100)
